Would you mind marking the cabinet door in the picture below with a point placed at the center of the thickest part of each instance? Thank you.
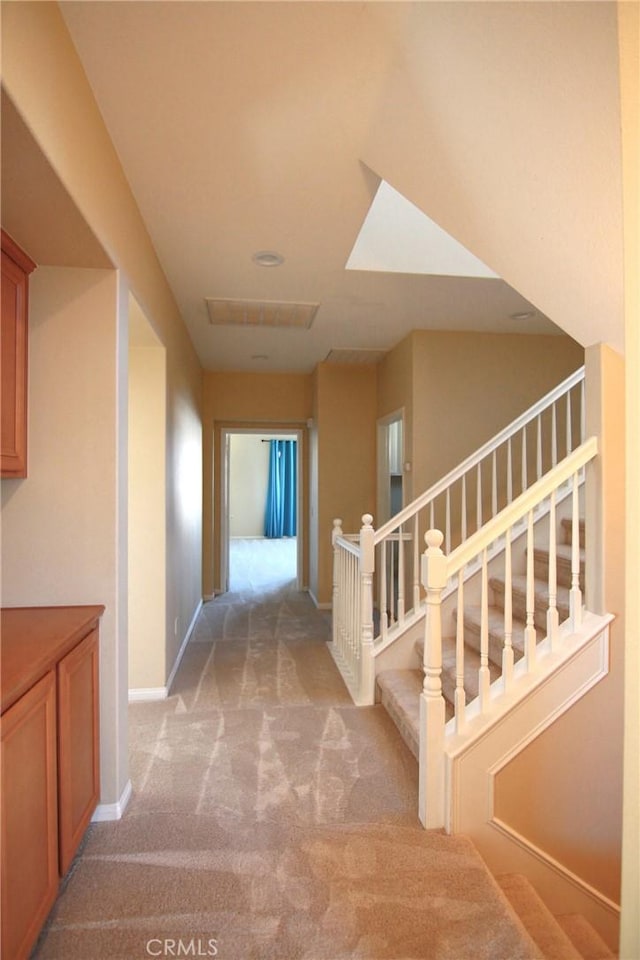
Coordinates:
(78, 744)
(29, 817)
(16, 266)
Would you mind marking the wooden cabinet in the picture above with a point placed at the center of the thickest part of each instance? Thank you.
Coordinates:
(16, 267)
(29, 816)
(78, 742)
(49, 733)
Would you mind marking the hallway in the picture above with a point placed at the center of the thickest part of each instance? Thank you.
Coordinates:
(272, 816)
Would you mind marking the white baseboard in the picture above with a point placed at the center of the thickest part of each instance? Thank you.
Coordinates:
(182, 649)
(113, 811)
(138, 694)
(320, 606)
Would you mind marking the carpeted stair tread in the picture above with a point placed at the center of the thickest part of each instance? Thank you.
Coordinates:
(541, 599)
(400, 695)
(471, 668)
(563, 564)
(542, 926)
(585, 939)
(567, 527)
(472, 627)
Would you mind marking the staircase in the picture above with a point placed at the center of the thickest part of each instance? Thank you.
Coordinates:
(399, 690)
(478, 644)
(563, 937)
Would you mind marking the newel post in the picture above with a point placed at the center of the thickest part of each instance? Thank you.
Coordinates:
(432, 707)
(367, 566)
(335, 596)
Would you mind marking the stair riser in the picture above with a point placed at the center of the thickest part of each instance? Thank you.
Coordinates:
(519, 606)
(496, 641)
(563, 569)
(566, 526)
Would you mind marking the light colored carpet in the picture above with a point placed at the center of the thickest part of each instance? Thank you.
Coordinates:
(273, 817)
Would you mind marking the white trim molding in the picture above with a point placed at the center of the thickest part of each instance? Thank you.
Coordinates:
(142, 694)
(113, 811)
(318, 605)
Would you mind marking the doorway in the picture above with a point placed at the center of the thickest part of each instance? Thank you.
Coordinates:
(246, 543)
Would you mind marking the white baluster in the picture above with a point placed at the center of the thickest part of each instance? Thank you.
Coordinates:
(530, 629)
(509, 472)
(494, 485)
(552, 611)
(432, 514)
(416, 565)
(478, 497)
(575, 595)
(392, 582)
(569, 425)
(484, 678)
(463, 509)
(345, 606)
(447, 539)
(583, 413)
(507, 650)
(366, 680)
(400, 575)
(432, 706)
(539, 447)
(525, 482)
(554, 436)
(384, 615)
(460, 696)
(335, 605)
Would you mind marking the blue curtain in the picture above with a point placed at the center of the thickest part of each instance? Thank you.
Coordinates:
(280, 513)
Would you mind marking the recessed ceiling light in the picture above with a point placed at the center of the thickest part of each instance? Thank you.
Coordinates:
(525, 315)
(268, 258)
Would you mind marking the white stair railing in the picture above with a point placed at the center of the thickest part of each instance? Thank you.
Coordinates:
(352, 645)
(468, 496)
(438, 569)
(474, 492)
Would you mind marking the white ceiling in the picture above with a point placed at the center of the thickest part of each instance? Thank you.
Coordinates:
(240, 127)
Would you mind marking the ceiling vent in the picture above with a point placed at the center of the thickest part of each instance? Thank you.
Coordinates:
(261, 313)
(355, 355)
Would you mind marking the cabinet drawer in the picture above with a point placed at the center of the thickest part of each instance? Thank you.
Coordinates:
(78, 744)
(29, 816)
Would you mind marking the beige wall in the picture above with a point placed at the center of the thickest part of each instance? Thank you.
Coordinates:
(256, 400)
(248, 481)
(147, 524)
(58, 525)
(344, 415)
(459, 389)
(512, 148)
(574, 769)
(468, 386)
(43, 77)
(629, 31)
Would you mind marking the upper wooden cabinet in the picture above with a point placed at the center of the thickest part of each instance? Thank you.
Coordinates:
(16, 267)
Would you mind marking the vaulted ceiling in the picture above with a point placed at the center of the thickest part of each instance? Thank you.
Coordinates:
(253, 127)
(240, 127)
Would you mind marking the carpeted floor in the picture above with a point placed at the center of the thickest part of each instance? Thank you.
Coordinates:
(271, 819)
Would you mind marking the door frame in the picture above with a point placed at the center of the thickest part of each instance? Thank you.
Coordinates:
(268, 432)
(384, 472)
